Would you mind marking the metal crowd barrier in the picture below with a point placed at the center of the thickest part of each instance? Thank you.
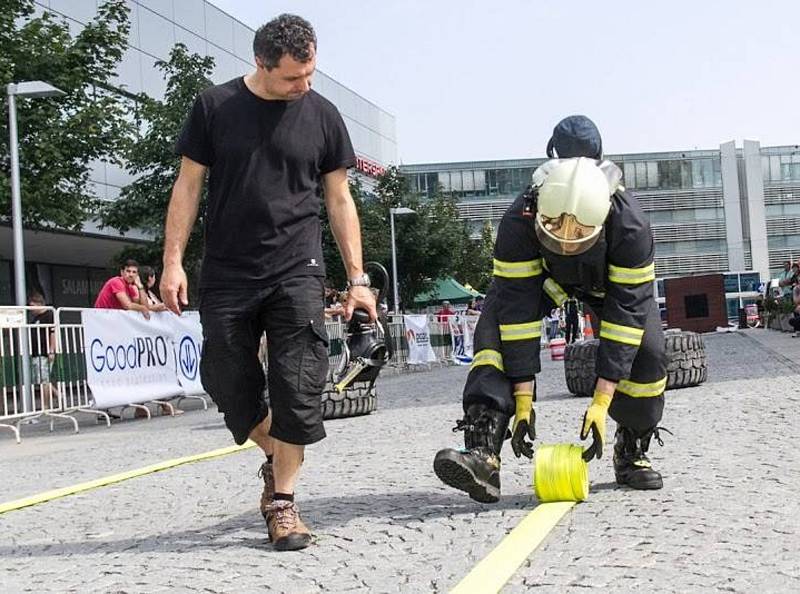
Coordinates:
(43, 366)
(32, 369)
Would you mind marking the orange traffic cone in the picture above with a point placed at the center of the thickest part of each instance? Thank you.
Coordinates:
(587, 327)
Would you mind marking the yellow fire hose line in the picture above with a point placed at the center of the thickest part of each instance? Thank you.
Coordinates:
(494, 570)
(117, 478)
(489, 575)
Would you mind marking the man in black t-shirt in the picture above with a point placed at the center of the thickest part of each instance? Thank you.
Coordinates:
(42, 345)
(269, 145)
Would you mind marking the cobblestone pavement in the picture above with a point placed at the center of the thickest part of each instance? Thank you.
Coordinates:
(726, 520)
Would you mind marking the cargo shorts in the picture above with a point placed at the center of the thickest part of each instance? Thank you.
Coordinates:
(291, 314)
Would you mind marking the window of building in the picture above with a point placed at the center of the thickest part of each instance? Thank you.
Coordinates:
(716, 169)
(775, 167)
(652, 174)
(790, 171)
(686, 174)
(629, 174)
(491, 182)
(702, 173)
(749, 281)
(709, 214)
(733, 308)
(660, 217)
(641, 174)
(480, 181)
(731, 283)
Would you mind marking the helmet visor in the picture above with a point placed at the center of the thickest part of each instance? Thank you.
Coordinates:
(564, 235)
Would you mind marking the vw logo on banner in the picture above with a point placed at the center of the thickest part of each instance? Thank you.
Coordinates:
(188, 358)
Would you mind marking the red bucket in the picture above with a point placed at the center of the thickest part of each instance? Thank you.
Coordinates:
(557, 346)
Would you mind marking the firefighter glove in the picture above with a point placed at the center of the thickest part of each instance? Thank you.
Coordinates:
(524, 425)
(594, 420)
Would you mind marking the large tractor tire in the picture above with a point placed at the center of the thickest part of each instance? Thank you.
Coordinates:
(579, 372)
(686, 359)
(357, 400)
(686, 362)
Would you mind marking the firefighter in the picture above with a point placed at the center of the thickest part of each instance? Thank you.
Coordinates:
(574, 232)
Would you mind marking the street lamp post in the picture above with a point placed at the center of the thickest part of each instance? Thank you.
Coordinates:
(32, 89)
(400, 210)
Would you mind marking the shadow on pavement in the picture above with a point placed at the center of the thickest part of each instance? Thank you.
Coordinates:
(248, 529)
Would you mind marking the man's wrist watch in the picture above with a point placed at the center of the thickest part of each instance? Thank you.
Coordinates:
(361, 280)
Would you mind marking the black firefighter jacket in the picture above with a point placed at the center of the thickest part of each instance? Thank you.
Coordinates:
(615, 277)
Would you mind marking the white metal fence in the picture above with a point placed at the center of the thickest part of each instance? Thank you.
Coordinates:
(43, 363)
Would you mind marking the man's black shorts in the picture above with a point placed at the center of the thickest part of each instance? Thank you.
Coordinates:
(291, 313)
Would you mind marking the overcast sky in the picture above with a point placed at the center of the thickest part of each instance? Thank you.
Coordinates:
(470, 80)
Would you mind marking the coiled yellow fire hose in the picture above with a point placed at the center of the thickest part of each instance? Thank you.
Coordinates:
(560, 473)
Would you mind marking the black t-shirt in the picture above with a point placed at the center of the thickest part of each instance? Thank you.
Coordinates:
(266, 160)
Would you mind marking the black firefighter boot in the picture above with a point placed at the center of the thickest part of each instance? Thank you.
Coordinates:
(476, 468)
(631, 464)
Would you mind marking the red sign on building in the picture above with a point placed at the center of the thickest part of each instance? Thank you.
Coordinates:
(368, 167)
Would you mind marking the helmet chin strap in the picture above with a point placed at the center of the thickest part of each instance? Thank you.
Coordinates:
(551, 150)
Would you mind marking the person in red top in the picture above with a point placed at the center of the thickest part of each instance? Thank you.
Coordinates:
(445, 312)
(124, 291)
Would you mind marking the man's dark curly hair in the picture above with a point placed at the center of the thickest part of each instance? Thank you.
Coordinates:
(285, 34)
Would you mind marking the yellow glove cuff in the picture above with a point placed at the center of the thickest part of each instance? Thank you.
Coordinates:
(601, 399)
(524, 402)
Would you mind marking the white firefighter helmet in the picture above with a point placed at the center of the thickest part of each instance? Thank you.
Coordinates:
(572, 205)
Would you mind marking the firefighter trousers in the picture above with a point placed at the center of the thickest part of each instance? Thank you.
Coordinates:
(638, 402)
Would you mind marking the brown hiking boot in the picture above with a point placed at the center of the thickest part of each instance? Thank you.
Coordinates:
(267, 494)
(286, 530)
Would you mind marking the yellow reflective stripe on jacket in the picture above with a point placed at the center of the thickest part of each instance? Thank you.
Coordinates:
(620, 333)
(632, 276)
(554, 290)
(523, 269)
(488, 357)
(637, 390)
(524, 331)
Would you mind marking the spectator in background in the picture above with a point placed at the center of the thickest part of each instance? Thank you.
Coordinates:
(42, 349)
(571, 320)
(333, 304)
(785, 280)
(555, 322)
(124, 291)
(445, 312)
(147, 277)
(475, 306)
(794, 321)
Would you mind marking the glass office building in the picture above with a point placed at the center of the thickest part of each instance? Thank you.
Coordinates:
(72, 267)
(731, 210)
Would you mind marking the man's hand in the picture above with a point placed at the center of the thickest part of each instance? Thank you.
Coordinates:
(594, 419)
(358, 297)
(524, 425)
(174, 288)
(158, 307)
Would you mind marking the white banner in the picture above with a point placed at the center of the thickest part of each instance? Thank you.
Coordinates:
(129, 359)
(418, 337)
(188, 342)
(462, 329)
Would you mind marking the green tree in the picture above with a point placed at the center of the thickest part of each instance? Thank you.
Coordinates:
(475, 264)
(150, 156)
(60, 137)
(427, 242)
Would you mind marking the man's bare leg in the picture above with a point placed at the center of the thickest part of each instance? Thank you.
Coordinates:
(260, 435)
(288, 460)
